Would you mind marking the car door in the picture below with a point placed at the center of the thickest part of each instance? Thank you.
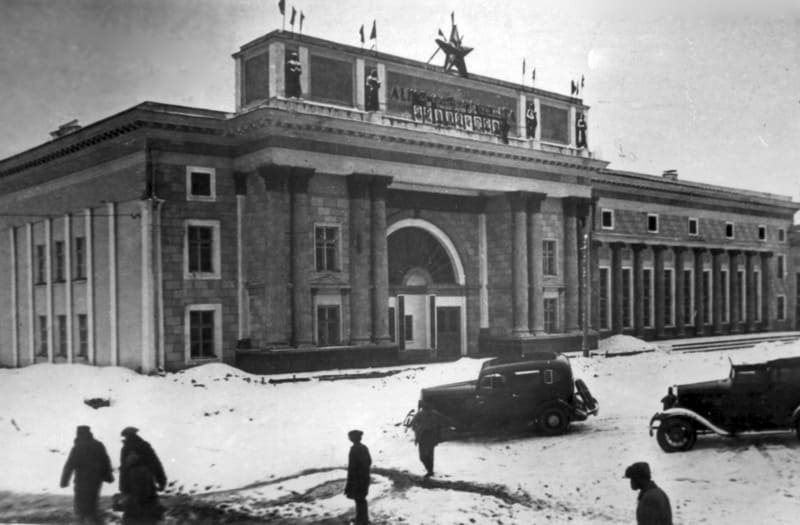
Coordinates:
(493, 400)
(749, 407)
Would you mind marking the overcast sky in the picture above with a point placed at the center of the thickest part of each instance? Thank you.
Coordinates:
(710, 91)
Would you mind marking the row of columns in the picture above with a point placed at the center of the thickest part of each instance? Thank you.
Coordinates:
(738, 320)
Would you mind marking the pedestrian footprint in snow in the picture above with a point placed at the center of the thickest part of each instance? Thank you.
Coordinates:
(140, 476)
(92, 466)
(652, 506)
(358, 480)
(427, 428)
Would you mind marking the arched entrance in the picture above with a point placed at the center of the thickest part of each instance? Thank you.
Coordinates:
(426, 287)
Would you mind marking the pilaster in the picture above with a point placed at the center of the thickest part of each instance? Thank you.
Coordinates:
(358, 186)
(302, 258)
(519, 263)
(380, 261)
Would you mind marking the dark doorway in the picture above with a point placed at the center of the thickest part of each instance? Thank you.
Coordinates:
(448, 331)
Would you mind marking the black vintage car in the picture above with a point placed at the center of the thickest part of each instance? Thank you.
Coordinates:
(539, 392)
(754, 397)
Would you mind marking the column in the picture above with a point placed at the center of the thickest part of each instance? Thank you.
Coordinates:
(680, 296)
(660, 289)
(48, 235)
(519, 263)
(14, 306)
(240, 185)
(380, 262)
(735, 300)
(148, 342)
(360, 303)
(483, 269)
(767, 293)
(594, 277)
(535, 270)
(89, 266)
(638, 289)
(571, 266)
(716, 273)
(752, 293)
(699, 297)
(68, 284)
(302, 257)
(616, 287)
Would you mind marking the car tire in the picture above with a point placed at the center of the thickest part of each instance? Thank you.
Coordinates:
(676, 434)
(553, 420)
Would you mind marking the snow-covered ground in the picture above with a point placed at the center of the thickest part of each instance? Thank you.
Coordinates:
(241, 442)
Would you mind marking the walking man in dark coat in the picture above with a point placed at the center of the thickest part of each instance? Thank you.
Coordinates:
(426, 425)
(653, 506)
(140, 475)
(357, 485)
(92, 466)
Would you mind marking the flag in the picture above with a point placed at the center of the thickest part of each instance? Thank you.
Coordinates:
(523, 67)
(581, 81)
(302, 17)
(573, 88)
(441, 34)
(533, 75)
(374, 34)
(361, 32)
(282, 6)
(294, 13)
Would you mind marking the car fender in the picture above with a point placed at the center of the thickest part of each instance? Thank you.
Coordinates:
(796, 415)
(688, 414)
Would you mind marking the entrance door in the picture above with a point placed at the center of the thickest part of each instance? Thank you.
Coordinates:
(448, 331)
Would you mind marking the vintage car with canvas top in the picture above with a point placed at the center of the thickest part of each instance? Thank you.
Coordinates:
(754, 397)
(538, 392)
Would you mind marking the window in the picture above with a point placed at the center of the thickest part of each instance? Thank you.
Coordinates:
(762, 233)
(605, 299)
(328, 322)
(707, 296)
(729, 230)
(83, 336)
(694, 226)
(724, 278)
(59, 261)
(203, 331)
(549, 258)
(688, 297)
(781, 265)
(327, 248)
(493, 382)
(652, 223)
(647, 296)
(43, 336)
(550, 315)
(408, 328)
(202, 250)
(41, 264)
(201, 184)
(668, 320)
(61, 321)
(627, 294)
(80, 258)
(607, 219)
(781, 235)
(781, 307)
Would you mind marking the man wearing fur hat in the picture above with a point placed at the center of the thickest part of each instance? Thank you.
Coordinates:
(140, 474)
(92, 466)
(357, 485)
(653, 506)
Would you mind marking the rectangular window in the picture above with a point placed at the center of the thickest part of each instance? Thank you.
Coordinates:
(729, 230)
(408, 328)
(83, 336)
(688, 297)
(781, 235)
(43, 336)
(80, 258)
(627, 297)
(326, 245)
(59, 261)
(762, 233)
(605, 299)
(781, 307)
(757, 279)
(668, 321)
(694, 227)
(550, 315)
(707, 296)
(201, 184)
(202, 337)
(61, 325)
(724, 277)
(549, 266)
(328, 322)
(607, 219)
(742, 284)
(652, 223)
(647, 297)
(781, 265)
(202, 250)
(41, 264)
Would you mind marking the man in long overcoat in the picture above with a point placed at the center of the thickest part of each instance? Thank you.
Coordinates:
(92, 466)
(652, 506)
(140, 474)
(357, 485)
(426, 425)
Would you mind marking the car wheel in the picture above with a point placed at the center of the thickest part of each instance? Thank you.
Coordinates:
(553, 420)
(676, 435)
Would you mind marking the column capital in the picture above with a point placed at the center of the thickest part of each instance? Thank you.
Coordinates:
(699, 250)
(240, 182)
(300, 177)
(358, 184)
(658, 248)
(617, 245)
(639, 247)
(717, 251)
(680, 250)
(579, 205)
(380, 183)
(517, 200)
(275, 176)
